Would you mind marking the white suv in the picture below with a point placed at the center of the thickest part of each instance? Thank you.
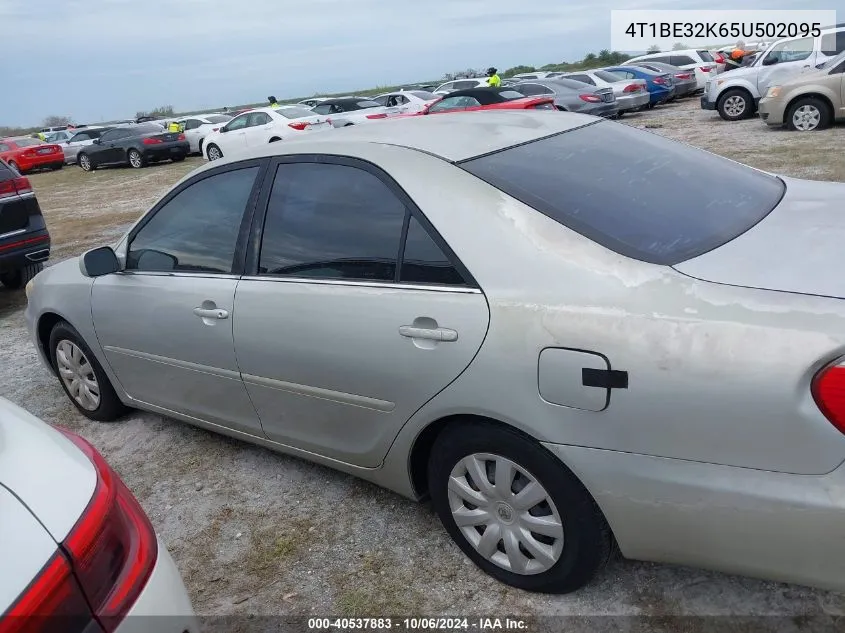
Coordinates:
(697, 60)
(735, 94)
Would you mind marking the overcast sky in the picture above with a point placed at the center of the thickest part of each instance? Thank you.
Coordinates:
(96, 60)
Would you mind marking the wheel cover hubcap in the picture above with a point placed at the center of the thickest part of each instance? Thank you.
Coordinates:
(806, 118)
(77, 374)
(213, 153)
(135, 159)
(505, 514)
(735, 106)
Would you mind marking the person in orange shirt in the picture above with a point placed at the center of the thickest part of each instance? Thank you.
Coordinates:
(734, 60)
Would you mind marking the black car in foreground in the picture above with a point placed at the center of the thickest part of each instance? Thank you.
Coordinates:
(134, 145)
(24, 240)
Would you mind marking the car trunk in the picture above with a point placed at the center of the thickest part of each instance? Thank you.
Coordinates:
(793, 249)
(606, 95)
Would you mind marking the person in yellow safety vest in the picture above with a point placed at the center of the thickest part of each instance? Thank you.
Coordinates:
(273, 103)
(174, 127)
(734, 60)
(493, 79)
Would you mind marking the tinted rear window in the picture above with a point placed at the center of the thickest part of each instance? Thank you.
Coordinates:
(632, 191)
(26, 142)
(606, 76)
(706, 56)
(295, 112)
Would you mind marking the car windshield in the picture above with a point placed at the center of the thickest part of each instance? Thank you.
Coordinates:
(424, 95)
(26, 142)
(295, 112)
(218, 118)
(606, 76)
(617, 186)
(833, 61)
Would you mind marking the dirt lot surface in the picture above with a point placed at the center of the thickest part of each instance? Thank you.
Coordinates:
(261, 533)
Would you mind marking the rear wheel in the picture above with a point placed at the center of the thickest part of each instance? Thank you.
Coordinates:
(275, 139)
(81, 375)
(515, 510)
(85, 163)
(807, 115)
(735, 104)
(17, 279)
(214, 152)
(136, 161)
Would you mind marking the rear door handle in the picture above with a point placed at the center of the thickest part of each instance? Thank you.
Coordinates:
(432, 334)
(211, 313)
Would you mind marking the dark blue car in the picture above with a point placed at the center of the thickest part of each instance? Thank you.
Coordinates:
(661, 86)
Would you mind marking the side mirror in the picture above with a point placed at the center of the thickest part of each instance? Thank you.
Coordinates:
(98, 262)
(96, 141)
(224, 129)
(770, 60)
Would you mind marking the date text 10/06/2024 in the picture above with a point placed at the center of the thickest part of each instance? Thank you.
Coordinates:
(417, 624)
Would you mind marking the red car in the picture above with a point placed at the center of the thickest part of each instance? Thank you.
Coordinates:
(473, 99)
(26, 154)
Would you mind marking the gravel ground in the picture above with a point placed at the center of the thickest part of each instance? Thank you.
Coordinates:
(255, 532)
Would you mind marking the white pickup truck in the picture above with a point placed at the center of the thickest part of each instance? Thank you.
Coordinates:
(736, 93)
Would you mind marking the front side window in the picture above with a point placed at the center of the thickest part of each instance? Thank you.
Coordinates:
(197, 230)
(238, 123)
(791, 51)
(322, 109)
(258, 118)
(332, 222)
(613, 184)
(454, 103)
(82, 136)
(833, 43)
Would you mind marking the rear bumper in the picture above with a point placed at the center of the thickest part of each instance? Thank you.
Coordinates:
(46, 160)
(164, 605)
(632, 102)
(707, 105)
(661, 96)
(24, 249)
(601, 109)
(770, 525)
(167, 150)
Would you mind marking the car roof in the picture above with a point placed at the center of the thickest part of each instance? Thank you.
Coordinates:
(451, 136)
(559, 82)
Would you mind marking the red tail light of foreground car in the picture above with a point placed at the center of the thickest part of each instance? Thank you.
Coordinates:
(829, 394)
(16, 186)
(104, 562)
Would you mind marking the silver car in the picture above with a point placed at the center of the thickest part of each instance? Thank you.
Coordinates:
(507, 312)
(82, 138)
(631, 94)
(573, 96)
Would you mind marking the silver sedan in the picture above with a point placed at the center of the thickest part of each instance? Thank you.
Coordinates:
(508, 312)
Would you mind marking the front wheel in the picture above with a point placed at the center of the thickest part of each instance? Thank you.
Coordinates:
(807, 115)
(17, 279)
(85, 163)
(214, 152)
(735, 104)
(515, 510)
(136, 161)
(81, 376)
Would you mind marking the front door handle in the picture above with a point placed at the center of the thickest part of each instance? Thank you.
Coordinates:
(211, 313)
(432, 334)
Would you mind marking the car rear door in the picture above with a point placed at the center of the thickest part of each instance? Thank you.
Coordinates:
(165, 321)
(357, 313)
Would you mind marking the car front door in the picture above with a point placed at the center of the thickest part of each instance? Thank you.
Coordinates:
(105, 151)
(783, 60)
(165, 321)
(74, 144)
(339, 338)
(234, 134)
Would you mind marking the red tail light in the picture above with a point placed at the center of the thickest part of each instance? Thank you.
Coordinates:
(298, 125)
(707, 69)
(828, 391)
(590, 98)
(181, 137)
(377, 116)
(631, 88)
(14, 186)
(718, 58)
(683, 76)
(660, 81)
(105, 562)
(152, 141)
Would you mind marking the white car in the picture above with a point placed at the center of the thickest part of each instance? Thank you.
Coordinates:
(346, 111)
(631, 94)
(736, 93)
(461, 84)
(75, 543)
(82, 138)
(262, 126)
(200, 126)
(700, 61)
(406, 101)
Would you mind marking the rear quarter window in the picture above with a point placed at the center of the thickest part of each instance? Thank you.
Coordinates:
(633, 191)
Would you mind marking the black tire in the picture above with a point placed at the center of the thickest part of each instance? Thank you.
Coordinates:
(110, 407)
(85, 163)
(587, 542)
(728, 107)
(199, 146)
(135, 159)
(349, 125)
(821, 108)
(17, 279)
(16, 167)
(213, 147)
(177, 159)
(275, 139)
(57, 167)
